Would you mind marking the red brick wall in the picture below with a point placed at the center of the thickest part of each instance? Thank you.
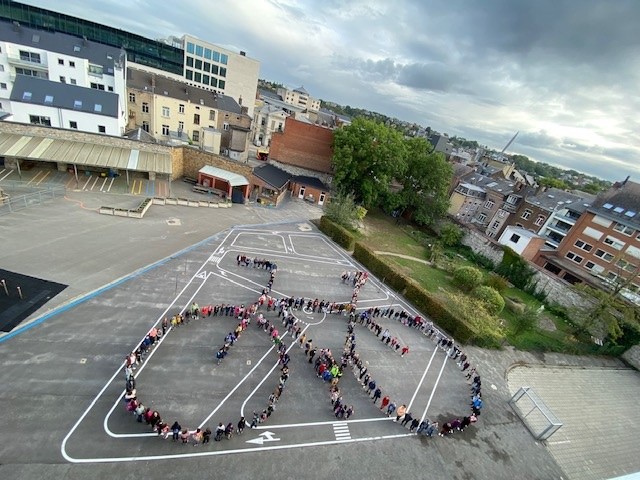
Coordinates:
(303, 145)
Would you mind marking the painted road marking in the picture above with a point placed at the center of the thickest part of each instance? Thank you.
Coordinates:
(104, 183)
(34, 178)
(111, 184)
(42, 179)
(84, 187)
(10, 172)
(133, 187)
(139, 187)
(264, 437)
(446, 357)
(94, 182)
(341, 431)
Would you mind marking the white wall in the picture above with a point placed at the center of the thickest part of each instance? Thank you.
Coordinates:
(520, 245)
(60, 118)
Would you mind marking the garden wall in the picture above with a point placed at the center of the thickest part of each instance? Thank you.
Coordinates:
(632, 356)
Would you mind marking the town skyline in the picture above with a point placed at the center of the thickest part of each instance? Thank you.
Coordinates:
(563, 76)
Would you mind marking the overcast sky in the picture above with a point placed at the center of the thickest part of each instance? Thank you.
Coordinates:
(565, 73)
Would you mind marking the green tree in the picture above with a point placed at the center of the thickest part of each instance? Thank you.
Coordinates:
(366, 156)
(342, 210)
(450, 234)
(467, 277)
(553, 182)
(425, 184)
(490, 298)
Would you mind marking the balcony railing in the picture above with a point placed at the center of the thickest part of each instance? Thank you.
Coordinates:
(24, 62)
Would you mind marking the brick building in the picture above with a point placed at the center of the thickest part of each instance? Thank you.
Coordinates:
(305, 151)
(603, 247)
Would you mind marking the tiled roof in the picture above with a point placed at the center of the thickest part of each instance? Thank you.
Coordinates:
(554, 198)
(621, 202)
(272, 175)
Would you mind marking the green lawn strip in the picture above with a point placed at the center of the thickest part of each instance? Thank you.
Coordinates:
(382, 234)
(430, 278)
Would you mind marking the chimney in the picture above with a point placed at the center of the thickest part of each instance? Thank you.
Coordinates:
(240, 103)
(243, 54)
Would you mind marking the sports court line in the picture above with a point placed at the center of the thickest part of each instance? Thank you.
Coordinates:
(329, 422)
(446, 357)
(435, 350)
(284, 242)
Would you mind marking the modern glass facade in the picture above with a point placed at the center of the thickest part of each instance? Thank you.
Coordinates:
(139, 49)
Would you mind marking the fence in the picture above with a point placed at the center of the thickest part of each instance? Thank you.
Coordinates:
(14, 203)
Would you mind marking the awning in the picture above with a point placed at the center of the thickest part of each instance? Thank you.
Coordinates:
(46, 149)
(234, 179)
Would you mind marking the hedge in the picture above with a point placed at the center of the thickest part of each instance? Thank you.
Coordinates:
(338, 233)
(422, 299)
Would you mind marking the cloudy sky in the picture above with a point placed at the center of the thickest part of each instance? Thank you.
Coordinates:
(565, 73)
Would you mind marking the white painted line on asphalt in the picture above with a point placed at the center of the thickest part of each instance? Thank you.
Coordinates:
(10, 172)
(104, 183)
(111, 184)
(313, 424)
(94, 182)
(422, 379)
(87, 183)
(34, 178)
(232, 451)
(559, 442)
(446, 357)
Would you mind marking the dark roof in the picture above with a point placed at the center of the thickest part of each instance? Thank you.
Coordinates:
(301, 90)
(268, 93)
(140, 135)
(64, 95)
(553, 198)
(141, 80)
(621, 203)
(95, 53)
(272, 175)
(499, 185)
(312, 182)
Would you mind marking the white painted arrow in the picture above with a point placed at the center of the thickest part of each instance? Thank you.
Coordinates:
(264, 437)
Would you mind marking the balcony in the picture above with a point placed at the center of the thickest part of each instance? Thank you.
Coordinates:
(559, 227)
(18, 61)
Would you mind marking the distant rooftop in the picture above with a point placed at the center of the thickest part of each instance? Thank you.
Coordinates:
(621, 203)
(555, 199)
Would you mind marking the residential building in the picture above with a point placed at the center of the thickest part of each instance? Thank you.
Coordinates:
(603, 246)
(177, 113)
(267, 119)
(551, 212)
(441, 143)
(215, 68)
(300, 98)
(61, 81)
(524, 242)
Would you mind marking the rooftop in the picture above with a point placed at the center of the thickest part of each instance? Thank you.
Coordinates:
(273, 175)
(145, 81)
(553, 199)
(95, 53)
(621, 203)
(39, 91)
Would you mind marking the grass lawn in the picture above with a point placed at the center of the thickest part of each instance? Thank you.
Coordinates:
(382, 234)
(430, 278)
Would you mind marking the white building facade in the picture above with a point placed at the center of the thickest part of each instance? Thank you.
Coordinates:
(73, 83)
(300, 98)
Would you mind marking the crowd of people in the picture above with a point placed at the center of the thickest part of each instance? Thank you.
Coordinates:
(327, 368)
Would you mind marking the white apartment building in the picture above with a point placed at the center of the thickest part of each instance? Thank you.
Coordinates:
(61, 81)
(221, 70)
(300, 98)
(267, 120)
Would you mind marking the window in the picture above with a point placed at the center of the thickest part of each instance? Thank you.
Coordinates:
(214, 82)
(197, 77)
(225, 126)
(214, 69)
(77, 104)
(73, 125)
(224, 58)
(515, 238)
(166, 111)
(205, 79)
(576, 258)
(612, 276)
(540, 220)
(606, 256)
(181, 108)
(614, 242)
(212, 115)
(216, 56)
(145, 107)
(618, 209)
(165, 130)
(199, 50)
(110, 88)
(190, 62)
(190, 47)
(63, 79)
(482, 217)
(72, 64)
(95, 70)
(48, 99)
(589, 265)
(102, 129)
(223, 72)
(3, 86)
(207, 53)
(73, 81)
(97, 108)
(132, 96)
(618, 227)
(29, 56)
(628, 266)
(145, 126)
(26, 96)
(1, 68)
(221, 83)
(489, 204)
(198, 64)
(60, 61)
(526, 214)
(98, 86)
(189, 74)
(206, 66)
(495, 224)
(583, 245)
(512, 199)
(39, 120)
(196, 118)
(180, 126)
(195, 136)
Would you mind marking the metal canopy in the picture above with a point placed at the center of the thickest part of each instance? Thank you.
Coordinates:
(234, 179)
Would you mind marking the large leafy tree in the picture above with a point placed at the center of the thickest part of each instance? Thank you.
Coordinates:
(366, 156)
(425, 184)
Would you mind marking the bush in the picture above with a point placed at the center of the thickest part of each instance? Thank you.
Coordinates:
(338, 234)
(516, 269)
(491, 299)
(527, 321)
(467, 278)
(498, 282)
(450, 234)
(487, 329)
(343, 211)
